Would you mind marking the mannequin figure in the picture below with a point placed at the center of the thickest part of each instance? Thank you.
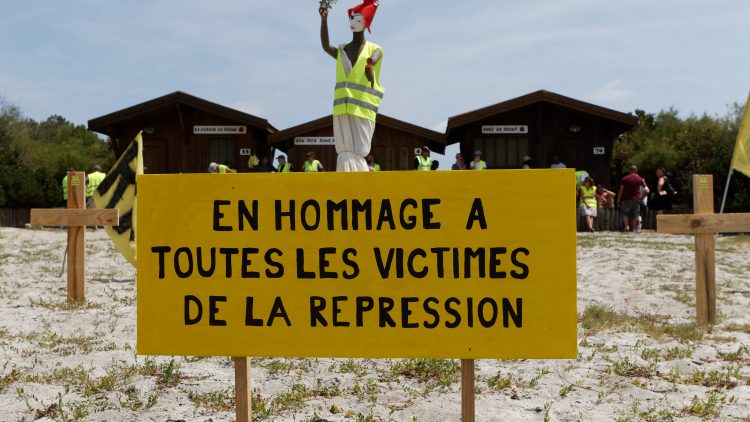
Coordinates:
(358, 91)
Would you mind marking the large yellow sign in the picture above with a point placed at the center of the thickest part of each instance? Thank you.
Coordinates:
(391, 264)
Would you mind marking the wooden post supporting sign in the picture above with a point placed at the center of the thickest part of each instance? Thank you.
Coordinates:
(243, 400)
(704, 224)
(467, 390)
(76, 217)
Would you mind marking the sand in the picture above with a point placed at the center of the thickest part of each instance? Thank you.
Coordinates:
(61, 362)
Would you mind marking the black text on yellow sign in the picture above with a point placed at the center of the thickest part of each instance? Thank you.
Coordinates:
(392, 264)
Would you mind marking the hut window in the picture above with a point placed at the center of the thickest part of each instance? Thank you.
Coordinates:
(221, 151)
(502, 152)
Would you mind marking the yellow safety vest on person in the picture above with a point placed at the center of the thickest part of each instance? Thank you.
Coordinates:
(286, 168)
(479, 166)
(425, 163)
(224, 169)
(65, 187)
(355, 95)
(377, 167)
(95, 179)
(311, 166)
(587, 197)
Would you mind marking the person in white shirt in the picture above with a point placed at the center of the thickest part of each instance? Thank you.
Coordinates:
(556, 163)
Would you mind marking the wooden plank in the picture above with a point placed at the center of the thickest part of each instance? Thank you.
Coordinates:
(705, 281)
(76, 264)
(75, 217)
(242, 389)
(76, 189)
(704, 223)
(467, 390)
(76, 238)
(703, 194)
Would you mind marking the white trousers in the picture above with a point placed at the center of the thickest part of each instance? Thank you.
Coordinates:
(353, 137)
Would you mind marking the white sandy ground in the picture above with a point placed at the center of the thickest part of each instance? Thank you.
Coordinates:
(58, 363)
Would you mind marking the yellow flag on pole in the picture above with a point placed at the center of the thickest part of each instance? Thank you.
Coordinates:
(741, 157)
(118, 190)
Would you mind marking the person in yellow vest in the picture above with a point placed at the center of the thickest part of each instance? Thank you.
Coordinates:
(358, 92)
(478, 163)
(423, 161)
(587, 202)
(94, 180)
(283, 166)
(311, 164)
(219, 168)
(371, 164)
(228, 165)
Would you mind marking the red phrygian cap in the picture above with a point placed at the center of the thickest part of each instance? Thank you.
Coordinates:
(366, 9)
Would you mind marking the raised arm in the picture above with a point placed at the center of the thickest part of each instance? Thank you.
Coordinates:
(324, 41)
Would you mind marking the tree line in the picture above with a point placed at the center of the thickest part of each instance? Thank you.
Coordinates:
(685, 146)
(34, 156)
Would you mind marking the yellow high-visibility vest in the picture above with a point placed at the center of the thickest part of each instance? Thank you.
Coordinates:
(286, 168)
(587, 197)
(308, 166)
(95, 179)
(65, 187)
(354, 94)
(425, 163)
(479, 166)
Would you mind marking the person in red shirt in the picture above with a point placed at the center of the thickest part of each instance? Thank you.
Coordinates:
(629, 198)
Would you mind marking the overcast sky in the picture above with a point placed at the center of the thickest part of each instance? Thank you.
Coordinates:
(86, 58)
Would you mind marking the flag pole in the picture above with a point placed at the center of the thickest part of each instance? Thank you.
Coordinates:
(726, 190)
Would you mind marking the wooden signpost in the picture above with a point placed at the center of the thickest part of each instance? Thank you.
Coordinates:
(468, 412)
(704, 224)
(76, 217)
(243, 400)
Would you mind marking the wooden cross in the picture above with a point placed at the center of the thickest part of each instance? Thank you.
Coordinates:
(704, 224)
(76, 217)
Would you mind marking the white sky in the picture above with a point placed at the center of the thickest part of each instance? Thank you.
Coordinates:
(85, 58)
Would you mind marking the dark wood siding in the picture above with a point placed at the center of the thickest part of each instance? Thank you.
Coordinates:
(170, 146)
(393, 148)
(552, 130)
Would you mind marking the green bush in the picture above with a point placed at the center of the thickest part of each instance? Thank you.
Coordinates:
(34, 157)
(693, 145)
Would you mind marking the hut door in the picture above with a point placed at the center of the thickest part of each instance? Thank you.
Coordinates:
(504, 152)
(155, 155)
(222, 151)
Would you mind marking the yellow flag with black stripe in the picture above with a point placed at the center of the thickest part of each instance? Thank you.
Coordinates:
(118, 190)
(741, 157)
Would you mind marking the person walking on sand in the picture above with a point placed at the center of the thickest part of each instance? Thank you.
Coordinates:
(664, 193)
(587, 202)
(629, 199)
